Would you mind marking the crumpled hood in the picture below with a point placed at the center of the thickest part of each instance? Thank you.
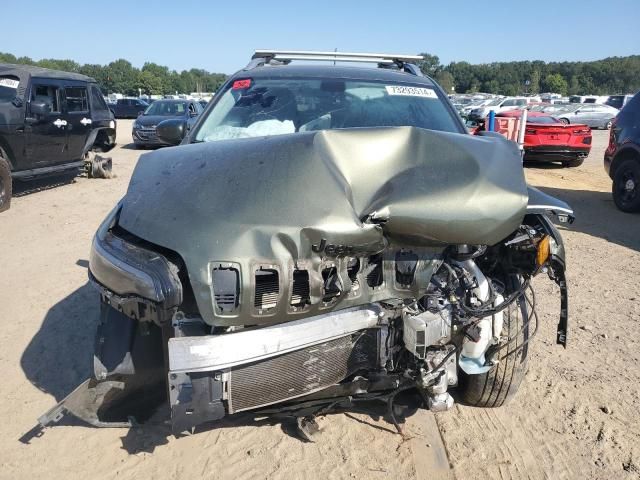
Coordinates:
(275, 199)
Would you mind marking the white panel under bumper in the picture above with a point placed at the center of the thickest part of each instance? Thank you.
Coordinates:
(218, 352)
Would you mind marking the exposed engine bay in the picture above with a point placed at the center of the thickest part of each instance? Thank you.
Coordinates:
(415, 275)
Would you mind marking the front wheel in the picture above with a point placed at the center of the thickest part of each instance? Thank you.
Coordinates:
(497, 386)
(607, 126)
(565, 121)
(626, 186)
(6, 185)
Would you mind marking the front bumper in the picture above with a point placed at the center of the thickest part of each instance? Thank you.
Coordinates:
(146, 136)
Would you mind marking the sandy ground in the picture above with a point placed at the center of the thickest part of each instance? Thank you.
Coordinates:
(575, 415)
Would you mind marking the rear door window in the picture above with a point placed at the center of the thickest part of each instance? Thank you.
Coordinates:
(8, 87)
(77, 99)
(49, 94)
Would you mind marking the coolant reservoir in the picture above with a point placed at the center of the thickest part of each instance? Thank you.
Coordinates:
(472, 359)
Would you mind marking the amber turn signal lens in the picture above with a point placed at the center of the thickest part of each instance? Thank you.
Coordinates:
(543, 251)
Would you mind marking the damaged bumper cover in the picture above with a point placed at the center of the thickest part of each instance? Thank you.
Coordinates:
(129, 375)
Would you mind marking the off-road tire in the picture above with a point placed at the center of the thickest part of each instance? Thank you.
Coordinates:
(627, 201)
(497, 386)
(6, 186)
(576, 162)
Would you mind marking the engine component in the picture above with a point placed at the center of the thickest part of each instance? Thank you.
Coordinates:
(472, 359)
(425, 329)
(433, 384)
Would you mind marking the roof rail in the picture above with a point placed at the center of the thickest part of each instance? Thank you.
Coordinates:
(284, 57)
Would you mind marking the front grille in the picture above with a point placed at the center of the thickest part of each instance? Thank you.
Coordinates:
(267, 289)
(301, 372)
(374, 271)
(300, 289)
(226, 288)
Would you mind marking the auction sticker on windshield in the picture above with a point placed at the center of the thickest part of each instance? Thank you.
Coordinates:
(411, 91)
(9, 82)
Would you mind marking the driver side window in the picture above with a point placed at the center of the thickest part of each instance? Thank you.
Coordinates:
(48, 94)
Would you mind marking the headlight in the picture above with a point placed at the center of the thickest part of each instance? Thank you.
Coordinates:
(136, 125)
(129, 270)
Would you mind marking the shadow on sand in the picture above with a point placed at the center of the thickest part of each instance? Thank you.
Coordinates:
(597, 215)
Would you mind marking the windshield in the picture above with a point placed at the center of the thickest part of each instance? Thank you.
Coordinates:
(167, 109)
(251, 108)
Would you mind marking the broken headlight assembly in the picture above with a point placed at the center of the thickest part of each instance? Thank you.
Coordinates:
(140, 282)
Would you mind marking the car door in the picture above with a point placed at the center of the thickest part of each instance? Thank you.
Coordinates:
(45, 134)
(602, 115)
(583, 115)
(140, 107)
(131, 108)
(78, 116)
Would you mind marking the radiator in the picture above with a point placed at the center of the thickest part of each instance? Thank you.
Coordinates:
(301, 372)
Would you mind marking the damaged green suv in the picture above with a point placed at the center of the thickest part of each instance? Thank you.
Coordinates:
(324, 235)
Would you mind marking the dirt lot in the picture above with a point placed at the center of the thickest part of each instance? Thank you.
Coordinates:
(576, 415)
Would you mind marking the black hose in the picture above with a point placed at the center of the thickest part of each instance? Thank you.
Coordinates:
(532, 314)
(444, 360)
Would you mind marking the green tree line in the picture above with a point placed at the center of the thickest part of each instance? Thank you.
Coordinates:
(600, 77)
(608, 76)
(120, 76)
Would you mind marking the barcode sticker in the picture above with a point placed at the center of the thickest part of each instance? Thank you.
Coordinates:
(411, 91)
(9, 82)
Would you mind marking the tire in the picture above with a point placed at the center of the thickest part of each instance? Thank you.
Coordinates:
(565, 121)
(626, 186)
(6, 186)
(576, 162)
(607, 126)
(497, 386)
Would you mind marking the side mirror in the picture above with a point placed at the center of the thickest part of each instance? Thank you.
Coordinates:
(39, 108)
(171, 131)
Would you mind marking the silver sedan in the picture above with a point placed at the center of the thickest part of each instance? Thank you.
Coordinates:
(593, 115)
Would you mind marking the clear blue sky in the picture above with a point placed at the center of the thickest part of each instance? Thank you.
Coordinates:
(221, 36)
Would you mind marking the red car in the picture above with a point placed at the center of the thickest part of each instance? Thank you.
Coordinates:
(546, 139)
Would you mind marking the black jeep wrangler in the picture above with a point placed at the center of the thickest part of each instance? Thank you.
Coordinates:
(49, 120)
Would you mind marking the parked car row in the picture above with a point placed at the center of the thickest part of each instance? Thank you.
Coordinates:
(594, 111)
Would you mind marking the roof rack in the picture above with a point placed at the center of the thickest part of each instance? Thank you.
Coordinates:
(384, 60)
